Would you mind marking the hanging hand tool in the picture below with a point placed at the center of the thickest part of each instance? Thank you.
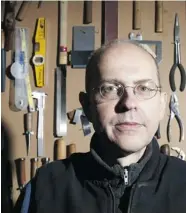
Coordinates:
(174, 112)
(3, 62)
(165, 149)
(9, 24)
(45, 161)
(181, 154)
(21, 173)
(60, 149)
(33, 168)
(109, 21)
(28, 129)
(177, 59)
(19, 69)
(71, 148)
(23, 10)
(158, 16)
(39, 4)
(40, 106)
(136, 15)
(87, 12)
(40, 52)
(60, 75)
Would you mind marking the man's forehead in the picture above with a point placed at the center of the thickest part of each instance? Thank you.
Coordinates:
(126, 56)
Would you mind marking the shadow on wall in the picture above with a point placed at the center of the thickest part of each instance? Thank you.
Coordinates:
(6, 171)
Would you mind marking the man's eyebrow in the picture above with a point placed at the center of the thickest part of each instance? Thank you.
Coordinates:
(143, 81)
(121, 82)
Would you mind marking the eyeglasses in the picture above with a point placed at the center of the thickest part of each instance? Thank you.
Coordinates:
(112, 91)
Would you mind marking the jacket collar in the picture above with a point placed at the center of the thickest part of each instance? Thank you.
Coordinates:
(115, 172)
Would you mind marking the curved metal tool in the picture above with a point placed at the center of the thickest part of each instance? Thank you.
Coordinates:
(177, 59)
(174, 112)
(181, 154)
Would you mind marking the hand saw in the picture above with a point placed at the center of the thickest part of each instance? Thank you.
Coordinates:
(40, 52)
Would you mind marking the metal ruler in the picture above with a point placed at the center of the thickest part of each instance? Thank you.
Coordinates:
(60, 80)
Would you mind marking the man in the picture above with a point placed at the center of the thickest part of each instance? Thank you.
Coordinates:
(124, 171)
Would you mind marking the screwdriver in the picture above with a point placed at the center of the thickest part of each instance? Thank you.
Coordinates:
(28, 130)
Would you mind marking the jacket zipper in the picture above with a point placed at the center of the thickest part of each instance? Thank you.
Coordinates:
(126, 177)
(130, 198)
(112, 197)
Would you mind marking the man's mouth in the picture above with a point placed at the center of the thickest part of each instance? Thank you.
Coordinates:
(128, 126)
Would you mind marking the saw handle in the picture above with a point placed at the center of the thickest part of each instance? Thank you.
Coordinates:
(158, 16)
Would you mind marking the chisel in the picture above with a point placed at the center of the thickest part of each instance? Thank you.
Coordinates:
(21, 173)
(71, 148)
(87, 12)
(158, 16)
(60, 75)
(136, 15)
(60, 149)
(45, 160)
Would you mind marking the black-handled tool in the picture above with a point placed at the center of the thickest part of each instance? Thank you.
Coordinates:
(177, 59)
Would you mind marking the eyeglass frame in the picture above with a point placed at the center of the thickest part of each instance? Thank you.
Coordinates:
(158, 89)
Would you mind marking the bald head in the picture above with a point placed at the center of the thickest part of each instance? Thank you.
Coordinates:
(119, 54)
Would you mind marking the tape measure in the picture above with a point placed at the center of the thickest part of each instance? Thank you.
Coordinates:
(40, 52)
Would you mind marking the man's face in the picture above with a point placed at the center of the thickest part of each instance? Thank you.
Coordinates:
(127, 121)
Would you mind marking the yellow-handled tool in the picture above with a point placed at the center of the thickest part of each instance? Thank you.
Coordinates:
(40, 52)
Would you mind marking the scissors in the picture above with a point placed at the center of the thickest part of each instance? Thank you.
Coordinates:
(177, 59)
(174, 112)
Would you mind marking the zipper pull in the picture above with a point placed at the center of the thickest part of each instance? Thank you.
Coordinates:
(126, 176)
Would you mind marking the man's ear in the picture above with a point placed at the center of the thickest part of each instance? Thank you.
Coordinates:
(163, 105)
(85, 103)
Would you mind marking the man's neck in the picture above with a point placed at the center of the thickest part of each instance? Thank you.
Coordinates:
(131, 158)
(112, 154)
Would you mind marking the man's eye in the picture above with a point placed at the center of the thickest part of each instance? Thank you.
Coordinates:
(107, 89)
(142, 88)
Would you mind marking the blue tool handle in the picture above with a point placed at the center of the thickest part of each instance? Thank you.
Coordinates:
(3, 70)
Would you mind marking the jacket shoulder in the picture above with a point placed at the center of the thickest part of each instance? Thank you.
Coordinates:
(63, 167)
(176, 168)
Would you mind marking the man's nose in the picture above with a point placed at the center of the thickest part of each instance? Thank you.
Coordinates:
(128, 100)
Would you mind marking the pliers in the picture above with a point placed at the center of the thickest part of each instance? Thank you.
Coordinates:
(177, 59)
(174, 112)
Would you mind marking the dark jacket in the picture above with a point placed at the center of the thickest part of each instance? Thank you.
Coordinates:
(84, 183)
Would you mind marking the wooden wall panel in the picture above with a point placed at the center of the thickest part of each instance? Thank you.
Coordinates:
(13, 121)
